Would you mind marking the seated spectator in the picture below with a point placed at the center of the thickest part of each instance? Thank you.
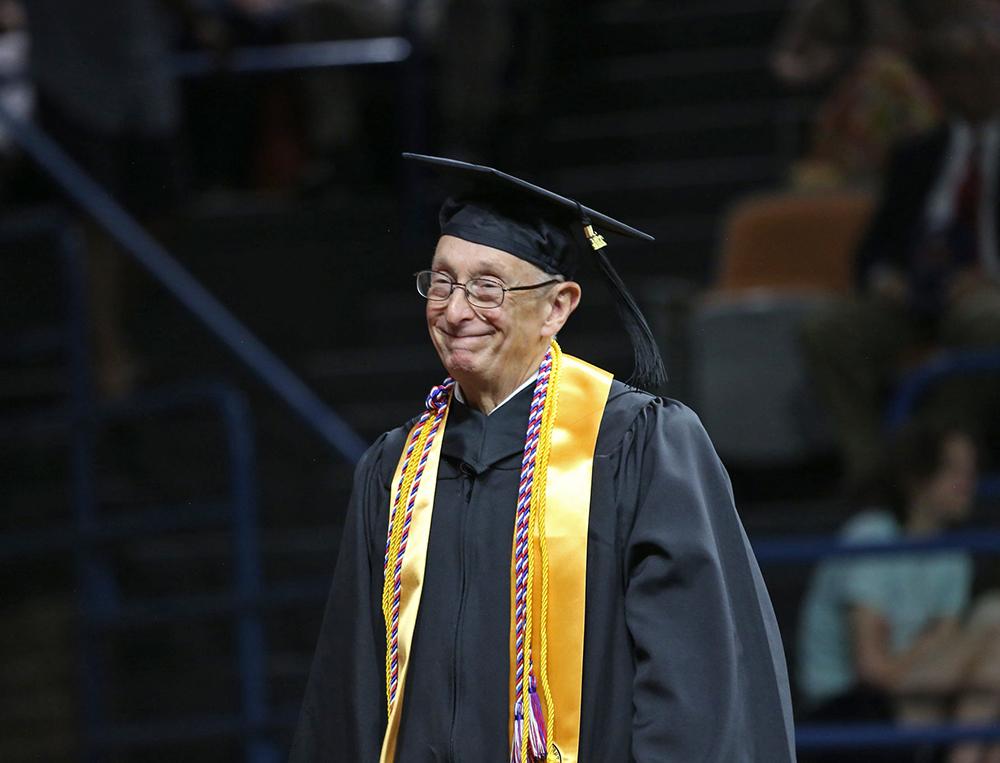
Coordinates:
(876, 95)
(888, 637)
(928, 267)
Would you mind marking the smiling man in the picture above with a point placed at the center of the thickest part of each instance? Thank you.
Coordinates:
(547, 563)
(488, 350)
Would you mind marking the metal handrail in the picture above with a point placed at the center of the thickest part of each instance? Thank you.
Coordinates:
(300, 56)
(85, 537)
(941, 366)
(152, 256)
(828, 736)
(294, 56)
(96, 585)
(137, 243)
(806, 549)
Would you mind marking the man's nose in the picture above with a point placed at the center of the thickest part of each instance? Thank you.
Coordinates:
(458, 307)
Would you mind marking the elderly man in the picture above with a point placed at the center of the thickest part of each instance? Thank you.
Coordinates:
(547, 564)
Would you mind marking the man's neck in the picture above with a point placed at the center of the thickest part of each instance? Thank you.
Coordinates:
(460, 395)
(486, 395)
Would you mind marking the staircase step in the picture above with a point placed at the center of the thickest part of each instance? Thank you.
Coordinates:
(666, 176)
(621, 27)
(210, 606)
(32, 344)
(645, 12)
(653, 124)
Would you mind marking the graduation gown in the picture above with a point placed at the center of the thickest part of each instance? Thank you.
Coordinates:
(682, 657)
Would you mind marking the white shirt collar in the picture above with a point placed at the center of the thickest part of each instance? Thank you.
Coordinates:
(941, 201)
(461, 398)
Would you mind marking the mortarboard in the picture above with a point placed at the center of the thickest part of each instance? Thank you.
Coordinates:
(498, 210)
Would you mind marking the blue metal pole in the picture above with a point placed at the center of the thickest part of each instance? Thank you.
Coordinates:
(96, 590)
(807, 549)
(951, 363)
(251, 649)
(92, 198)
(297, 56)
(844, 736)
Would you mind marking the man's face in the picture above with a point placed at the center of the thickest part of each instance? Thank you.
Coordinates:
(487, 344)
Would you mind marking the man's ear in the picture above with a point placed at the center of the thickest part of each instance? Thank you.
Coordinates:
(563, 299)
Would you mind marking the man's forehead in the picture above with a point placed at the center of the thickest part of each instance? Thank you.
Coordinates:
(457, 253)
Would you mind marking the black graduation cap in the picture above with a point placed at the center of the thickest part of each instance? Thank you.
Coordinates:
(495, 209)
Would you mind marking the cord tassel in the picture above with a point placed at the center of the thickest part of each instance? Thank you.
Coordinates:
(536, 729)
(400, 515)
(536, 724)
(515, 748)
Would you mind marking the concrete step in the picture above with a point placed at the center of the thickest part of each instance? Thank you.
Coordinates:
(620, 27)
(677, 78)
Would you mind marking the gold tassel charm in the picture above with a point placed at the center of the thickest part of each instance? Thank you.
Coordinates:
(596, 239)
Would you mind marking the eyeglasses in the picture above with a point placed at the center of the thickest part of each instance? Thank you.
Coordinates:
(480, 292)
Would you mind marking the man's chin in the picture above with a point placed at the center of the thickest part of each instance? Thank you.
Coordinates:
(461, 362)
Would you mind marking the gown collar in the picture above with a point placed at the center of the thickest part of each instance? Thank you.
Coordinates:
(481, 441)
(461, 397)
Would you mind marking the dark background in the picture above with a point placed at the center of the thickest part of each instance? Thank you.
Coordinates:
(122, 629)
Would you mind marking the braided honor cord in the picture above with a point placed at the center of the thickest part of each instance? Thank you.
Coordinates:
(529, 739)
(529, 721)
(419, 445)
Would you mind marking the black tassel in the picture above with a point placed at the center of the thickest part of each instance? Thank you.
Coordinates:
(649, 373)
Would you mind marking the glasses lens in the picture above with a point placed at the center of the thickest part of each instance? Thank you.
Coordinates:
(433, 285)
(484, 292)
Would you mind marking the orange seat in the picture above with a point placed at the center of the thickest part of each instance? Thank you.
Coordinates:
(793, 242)
(782, 256)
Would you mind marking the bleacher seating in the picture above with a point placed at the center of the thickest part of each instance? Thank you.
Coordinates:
(782, 256)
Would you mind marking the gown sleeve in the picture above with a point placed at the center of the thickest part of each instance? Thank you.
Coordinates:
(344, 706)
(710, 677)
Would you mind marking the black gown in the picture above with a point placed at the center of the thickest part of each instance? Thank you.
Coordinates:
(682, 657)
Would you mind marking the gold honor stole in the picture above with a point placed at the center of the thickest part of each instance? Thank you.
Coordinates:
(582, 391)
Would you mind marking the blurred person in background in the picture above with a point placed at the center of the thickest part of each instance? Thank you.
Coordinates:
(338, 135)
(106, 94)
(893, 636)
(928, 267)
(16, 92)
(467, 102)
(876, 96)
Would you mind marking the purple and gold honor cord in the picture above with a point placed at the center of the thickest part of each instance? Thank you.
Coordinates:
(398, 533)
(528, 742)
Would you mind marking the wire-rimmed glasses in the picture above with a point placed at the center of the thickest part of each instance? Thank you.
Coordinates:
(480, 292)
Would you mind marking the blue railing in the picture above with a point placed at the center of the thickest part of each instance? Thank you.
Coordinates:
(81, 417)
(806, 549)
(846, 736)
(152, 256)
(86, 534)
(295, 57)
(944, 365)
